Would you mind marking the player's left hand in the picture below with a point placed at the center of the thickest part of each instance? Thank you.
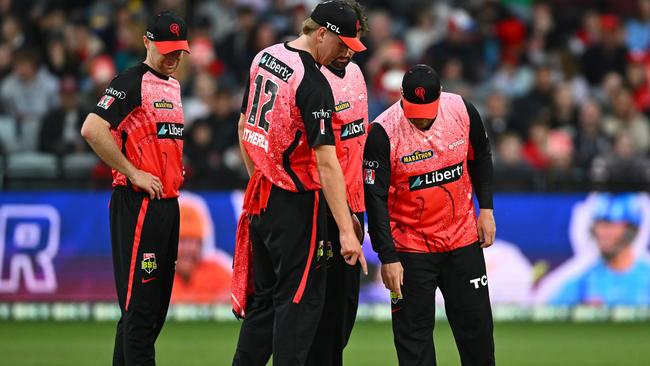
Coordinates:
(487, 228)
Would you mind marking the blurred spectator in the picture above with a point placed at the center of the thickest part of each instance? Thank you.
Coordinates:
(452, 74)
(608, 53)
(511, 172)
(495, 116)
(204, 86)
(12, 32)
(536, 105)
(637, 79)
(622, 169)
(60, 127)
(590, 139)
(535, 149)
(626, 117)
(561, 175)
(57, 58)
(422, 34)
(564, 112)
(233, 49)
(637, 30)
(390, 89)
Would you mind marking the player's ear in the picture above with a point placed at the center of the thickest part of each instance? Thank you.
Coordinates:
(320, 34)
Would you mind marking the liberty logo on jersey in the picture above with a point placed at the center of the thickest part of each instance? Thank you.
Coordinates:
(170, 130)
(352, 129)
(417, 156)
(149, 262)
(275, 67)
(436, 177)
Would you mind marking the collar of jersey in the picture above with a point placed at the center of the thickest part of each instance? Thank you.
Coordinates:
(286, 45)
(161, 76)
(337, 72)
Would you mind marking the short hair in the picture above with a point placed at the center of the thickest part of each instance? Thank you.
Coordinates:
(309, 26)
(361, 15)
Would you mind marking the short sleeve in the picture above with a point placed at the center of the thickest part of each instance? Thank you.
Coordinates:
(120, 98)
(316, 104)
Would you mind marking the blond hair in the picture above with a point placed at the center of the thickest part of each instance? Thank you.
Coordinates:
(309, 26)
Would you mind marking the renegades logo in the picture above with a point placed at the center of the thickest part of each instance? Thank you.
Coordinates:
(436, 177)
(149, 262)
(352, 129)
(170, 130)
(417, 156)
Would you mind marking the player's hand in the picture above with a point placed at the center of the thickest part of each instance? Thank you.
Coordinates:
(351, 250)
(392, 274)
(486, 228)
(147, 182)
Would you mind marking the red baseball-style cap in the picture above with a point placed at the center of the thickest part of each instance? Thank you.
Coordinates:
(341, 19)
(168, 32)
(420, 92)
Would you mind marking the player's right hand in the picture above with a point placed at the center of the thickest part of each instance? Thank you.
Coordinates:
(351, 250)
(148, 182)
(392, 274)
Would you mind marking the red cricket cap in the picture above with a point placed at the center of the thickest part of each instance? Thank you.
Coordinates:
(168, 32)
(420, 92)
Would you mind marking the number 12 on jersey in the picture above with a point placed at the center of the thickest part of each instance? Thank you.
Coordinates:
(271, 90)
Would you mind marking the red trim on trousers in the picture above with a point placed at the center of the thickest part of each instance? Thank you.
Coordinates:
(312, 246)
(136, 245)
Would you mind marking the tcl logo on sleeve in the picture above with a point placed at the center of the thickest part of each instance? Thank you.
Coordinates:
(170, 130)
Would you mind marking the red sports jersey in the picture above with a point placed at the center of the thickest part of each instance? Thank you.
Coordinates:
(430, 197)
(146, 115)
(288, 108)
(350, 124)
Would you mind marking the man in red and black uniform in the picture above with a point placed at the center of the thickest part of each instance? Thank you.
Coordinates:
(422, 158)
(137, 129)
(349, 123)
(288, 146)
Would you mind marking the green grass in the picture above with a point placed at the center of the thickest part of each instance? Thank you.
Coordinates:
(187, 344)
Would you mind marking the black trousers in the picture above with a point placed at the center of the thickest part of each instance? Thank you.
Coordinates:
(461, 276)
(289, 277)
(341, 302)
(144, 237)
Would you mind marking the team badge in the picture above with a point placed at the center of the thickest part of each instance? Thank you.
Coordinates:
(106, 102)
(369, 176)
(149, 262)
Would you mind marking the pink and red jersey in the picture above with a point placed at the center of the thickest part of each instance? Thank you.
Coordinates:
(350, 125)
(430, 196)
(288, 108)
(146, 115)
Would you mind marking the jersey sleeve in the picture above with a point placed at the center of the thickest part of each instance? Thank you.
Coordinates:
(376, 176)
(315, 101)
(480, 158)
(120, 98)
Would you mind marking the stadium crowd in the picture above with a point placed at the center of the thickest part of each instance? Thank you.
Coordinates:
(563, 86)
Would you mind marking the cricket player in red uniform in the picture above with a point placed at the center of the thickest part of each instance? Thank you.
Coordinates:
(137, 129)
(422, 158)
(349, 123)
(288, 146)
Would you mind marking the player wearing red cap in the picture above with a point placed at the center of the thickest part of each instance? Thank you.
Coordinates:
(137, 129)
(422, 158)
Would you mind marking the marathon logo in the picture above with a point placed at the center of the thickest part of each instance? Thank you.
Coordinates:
(276, 67)
(417, 156)
(163, 104)
(352, 130)
(436, 178)
(170, 130)
(342, 106)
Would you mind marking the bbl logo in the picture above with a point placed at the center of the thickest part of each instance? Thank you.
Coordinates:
(149, 262)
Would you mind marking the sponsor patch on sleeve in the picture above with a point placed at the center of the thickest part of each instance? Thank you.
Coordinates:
(106, 101)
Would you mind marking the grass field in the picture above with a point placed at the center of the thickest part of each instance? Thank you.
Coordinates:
(187, 344)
